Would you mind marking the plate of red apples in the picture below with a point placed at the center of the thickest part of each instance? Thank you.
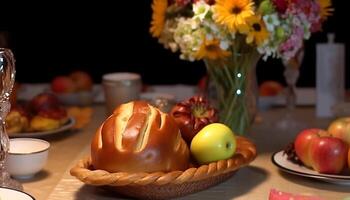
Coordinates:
(320, 154)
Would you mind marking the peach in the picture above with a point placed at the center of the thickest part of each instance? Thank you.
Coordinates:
(340, 128)
(82, 80)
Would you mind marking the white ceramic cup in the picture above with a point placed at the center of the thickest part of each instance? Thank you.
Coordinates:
(120, 87)
(27, 156)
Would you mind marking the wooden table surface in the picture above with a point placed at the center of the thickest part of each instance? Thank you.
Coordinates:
(249, 183)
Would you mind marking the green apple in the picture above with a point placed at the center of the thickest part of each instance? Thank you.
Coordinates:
(214, 142)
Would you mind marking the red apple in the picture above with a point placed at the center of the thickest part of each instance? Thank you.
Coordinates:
(340, 128)
(82, 80)
(328, 154)
(317, 149)
(302, 144)
(63, 84)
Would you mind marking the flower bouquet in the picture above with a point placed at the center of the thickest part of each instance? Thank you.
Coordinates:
(231, 36)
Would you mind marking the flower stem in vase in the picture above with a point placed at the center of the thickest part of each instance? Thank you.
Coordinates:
(235, 89)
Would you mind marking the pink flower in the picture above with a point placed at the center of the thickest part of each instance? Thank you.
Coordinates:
(182, 2)
(313, 15)
(289, 48)
(281, 5)
(306, 10)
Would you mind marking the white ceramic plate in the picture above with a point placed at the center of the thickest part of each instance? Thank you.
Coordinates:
(7, 193)
(282, 163)
(68, 125)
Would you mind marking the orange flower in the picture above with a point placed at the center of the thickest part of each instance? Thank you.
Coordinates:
(211, 49)
(325, 8)
(233, 13)
(257, 30)
(159, 8)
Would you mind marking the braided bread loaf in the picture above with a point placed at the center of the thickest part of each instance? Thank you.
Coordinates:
(138, 137)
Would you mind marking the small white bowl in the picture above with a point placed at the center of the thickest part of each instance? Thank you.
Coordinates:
(8, 193)
(27, 156)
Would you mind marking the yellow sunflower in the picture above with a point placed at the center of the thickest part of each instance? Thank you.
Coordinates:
(211, 49)
(325, 8)
(257, 30)
(233, 13)
(158, 17)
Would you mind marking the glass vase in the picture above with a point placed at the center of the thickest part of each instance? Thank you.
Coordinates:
(234, 91)
(289, 119)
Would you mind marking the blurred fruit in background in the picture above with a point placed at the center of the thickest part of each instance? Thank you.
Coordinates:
(82, 116)
(76, 81)
(63, 84)
(17, 119)
(270, 88)
(202, 85)
(74, 89)
(43, 112)
(42, 101)
(82, 80)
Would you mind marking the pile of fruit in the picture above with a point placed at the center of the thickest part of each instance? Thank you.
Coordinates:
(208, 140)
(74, 89)
(325, 151)
(42, 113)
(76, 81)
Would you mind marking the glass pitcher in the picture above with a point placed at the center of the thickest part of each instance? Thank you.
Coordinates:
(7, 75)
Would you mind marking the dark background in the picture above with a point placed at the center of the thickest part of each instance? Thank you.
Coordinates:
(50, 40)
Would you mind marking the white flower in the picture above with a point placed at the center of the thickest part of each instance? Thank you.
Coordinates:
(167, 36)
(188, 37)
(269, 50)
(200, 10)
(271, 21)
(224, 44)
(173, 46)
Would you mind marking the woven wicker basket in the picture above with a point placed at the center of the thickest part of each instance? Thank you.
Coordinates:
(160, 185)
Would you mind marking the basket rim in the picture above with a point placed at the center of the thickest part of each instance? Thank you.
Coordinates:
(245, 153)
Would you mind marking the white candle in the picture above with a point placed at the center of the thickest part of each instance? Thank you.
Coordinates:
(330, 73)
